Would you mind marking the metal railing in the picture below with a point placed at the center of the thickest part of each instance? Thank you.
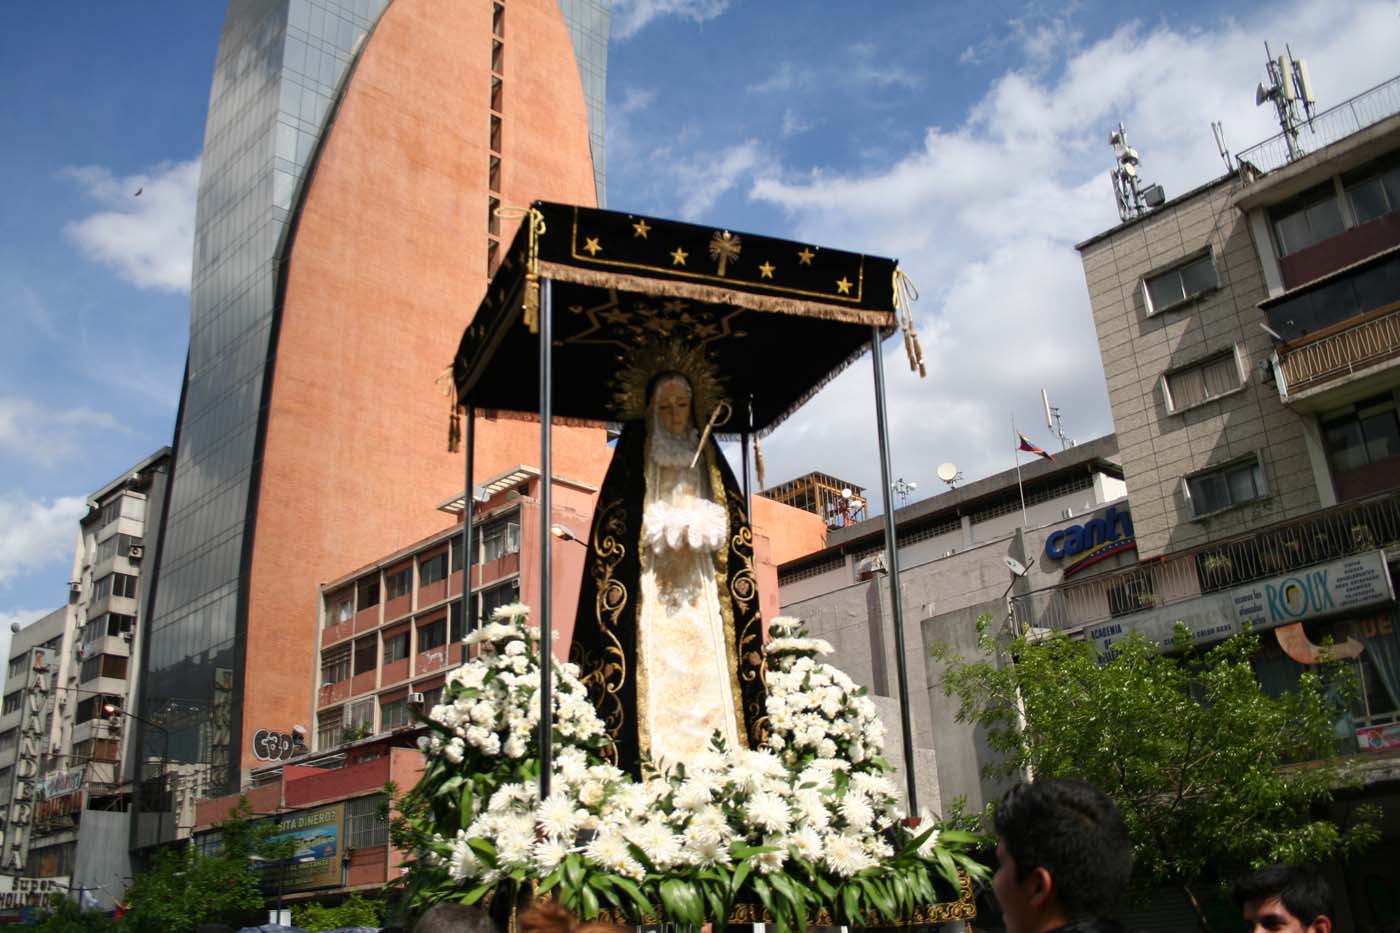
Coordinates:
(1334, 355)
(1326, 128)
(1345, 529)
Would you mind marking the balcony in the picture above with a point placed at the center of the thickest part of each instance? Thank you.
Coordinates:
(1357, 352)
(1327, 535)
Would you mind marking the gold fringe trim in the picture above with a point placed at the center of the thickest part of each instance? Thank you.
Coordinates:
(533, 417)
(714, 295)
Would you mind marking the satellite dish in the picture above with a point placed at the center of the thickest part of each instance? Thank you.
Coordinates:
(1262, 94)
(1017, 568)
(947, 472)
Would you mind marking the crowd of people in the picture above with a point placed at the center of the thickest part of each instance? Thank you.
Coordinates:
(1063, 863)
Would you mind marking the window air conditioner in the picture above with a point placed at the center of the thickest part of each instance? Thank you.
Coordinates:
(416, 699)
(136, 552)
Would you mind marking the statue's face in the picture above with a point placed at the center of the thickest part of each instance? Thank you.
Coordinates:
(672, 403)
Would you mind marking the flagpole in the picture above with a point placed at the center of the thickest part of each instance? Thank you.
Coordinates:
(1016, 452)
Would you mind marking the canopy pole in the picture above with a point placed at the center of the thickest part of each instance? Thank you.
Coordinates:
(744, 443)
(892, 561)
(468, 516)
(546, 538)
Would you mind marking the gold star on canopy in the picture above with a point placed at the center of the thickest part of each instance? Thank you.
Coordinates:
(805, 257)
(843, 285)
(641, 229)
(591, 246)
(766, 270)
(679, 257)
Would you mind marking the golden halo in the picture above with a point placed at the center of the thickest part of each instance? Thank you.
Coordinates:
(640, 366)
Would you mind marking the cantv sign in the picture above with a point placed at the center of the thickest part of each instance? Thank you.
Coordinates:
(1092, 541)
(1344, 585)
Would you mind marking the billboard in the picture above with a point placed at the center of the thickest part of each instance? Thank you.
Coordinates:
(315, 858)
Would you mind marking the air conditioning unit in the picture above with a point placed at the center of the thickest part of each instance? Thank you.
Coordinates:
(136, 552)
(416, 699)
(1067, 512)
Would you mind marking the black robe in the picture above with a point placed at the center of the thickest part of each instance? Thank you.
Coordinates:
(604, 643)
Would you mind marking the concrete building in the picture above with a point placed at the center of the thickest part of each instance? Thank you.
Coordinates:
(952, 552)
(357, 155)
(29, 728)
(1249, 337)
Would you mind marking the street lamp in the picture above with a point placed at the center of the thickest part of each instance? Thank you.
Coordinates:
(113, 709)
(281, 865)
(565, 533)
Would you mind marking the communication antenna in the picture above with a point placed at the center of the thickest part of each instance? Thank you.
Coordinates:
(950, 474)
(1054, 422)
(1134, 199)
(1291, 91)
(1218, 130)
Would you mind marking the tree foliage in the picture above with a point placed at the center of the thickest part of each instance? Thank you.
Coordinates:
(354, 911)
(1211, 773)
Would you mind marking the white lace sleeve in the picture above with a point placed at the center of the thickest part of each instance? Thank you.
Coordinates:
(698, 524)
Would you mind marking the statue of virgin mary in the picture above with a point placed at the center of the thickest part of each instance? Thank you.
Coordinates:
(668, 635)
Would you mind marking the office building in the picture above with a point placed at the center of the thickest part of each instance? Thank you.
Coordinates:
(356, 155)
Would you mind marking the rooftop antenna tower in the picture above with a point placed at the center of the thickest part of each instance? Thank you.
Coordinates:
(1133, 197)
(1054, 422)
(1290, 89)
(1218, 130)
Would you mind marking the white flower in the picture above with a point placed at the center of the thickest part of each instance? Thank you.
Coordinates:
(807, 843)
(692, 795)
(511, 611)
(845, 855)
(515, 648)
(548, 854)
(769, 811)
(772, 861)
(657, 840)
(857, 811)
(556, 816)
(609, 849)
(453, 751)
(708, 823)
(591, 793)
(515, 747)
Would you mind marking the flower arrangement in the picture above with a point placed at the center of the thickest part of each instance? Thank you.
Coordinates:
(806, 826)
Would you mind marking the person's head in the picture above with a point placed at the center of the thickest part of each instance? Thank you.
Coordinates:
(454, 918)
(1063, 854)
(1284, 899)
(553, 917)
(670, 403)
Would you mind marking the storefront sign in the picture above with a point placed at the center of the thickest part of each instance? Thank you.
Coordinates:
(1328, 589)
(58, 784)
(1378, 738)
(1092, 541)
(315, 859)
(30, 892)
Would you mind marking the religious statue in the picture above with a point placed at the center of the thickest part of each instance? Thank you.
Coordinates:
(668, 636)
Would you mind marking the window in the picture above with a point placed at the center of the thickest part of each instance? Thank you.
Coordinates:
(1225, 487)
(1180, 284)
(340, 608)
(12, 703)
(1210, 378)
(365, 824)
(432, 635)
(1307, 218)
(96, 750)
(330, 727)
(394, 714)
(433, 569)
(335, 664)
(1373, 190)
(114, 584)
(454, 616)
(18, 666)
(113, 546)
(367, 593)
(1361, 434)
(396, 585)
(360, 718)
(396, 647)
(499, 538)
(498, 596)
(91, 708)
(366, 654)
(9, 739)
(431, 697)
(109, 623)
(103, 665)
(456, 549)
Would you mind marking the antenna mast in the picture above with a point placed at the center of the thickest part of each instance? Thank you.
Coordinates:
(1133, 198)
(1290, 89)
(1054, 422)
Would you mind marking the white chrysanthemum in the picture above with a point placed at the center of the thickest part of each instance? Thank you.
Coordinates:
(558, 817)
(807, 843)
(515, 648)
(692, 795)
(768, 862)
(609, 849)
(660, 843)
(511, 611)
(463, 864)
(857, 811)
(708, 823)
(548, 854)
(768, 811)
(453, 750)
(845, 854)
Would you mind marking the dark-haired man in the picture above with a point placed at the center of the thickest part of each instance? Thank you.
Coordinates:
(1063, 858)
(1285, 899)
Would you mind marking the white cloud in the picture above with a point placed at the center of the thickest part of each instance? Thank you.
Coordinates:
(794, 124)
(869, 66)
(786, 77)
(984, 217)
(33, 533)
(46, 435)
(629, 17)
(702, 179)
(147, 238)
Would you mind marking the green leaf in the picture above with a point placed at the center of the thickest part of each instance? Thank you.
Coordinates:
(484, 850)
(741, 874)
(588, 903)
(629, 887)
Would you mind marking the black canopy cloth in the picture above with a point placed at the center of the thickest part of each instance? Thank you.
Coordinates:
(581, 292)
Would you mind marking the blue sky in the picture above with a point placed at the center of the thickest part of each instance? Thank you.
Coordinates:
(968, 140)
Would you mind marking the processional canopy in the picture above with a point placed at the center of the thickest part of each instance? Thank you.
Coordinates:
(776, 319)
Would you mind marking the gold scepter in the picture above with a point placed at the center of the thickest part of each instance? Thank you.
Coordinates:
(722, 407)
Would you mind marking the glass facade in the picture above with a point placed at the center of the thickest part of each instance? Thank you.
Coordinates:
(278, 65)
(588, 22)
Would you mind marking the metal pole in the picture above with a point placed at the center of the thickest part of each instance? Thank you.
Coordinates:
(164, 776)
(744, 441)
(892, 557)
(546, 538)
(468, 516)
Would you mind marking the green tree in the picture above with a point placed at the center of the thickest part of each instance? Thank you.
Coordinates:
(354, 911)
(184, 888)
(65, 916)
(1211, 773)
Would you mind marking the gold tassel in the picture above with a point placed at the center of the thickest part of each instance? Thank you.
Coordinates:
(758, 462)
(905, 294)
(454, 429)
(448, 387)
(530, 303)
